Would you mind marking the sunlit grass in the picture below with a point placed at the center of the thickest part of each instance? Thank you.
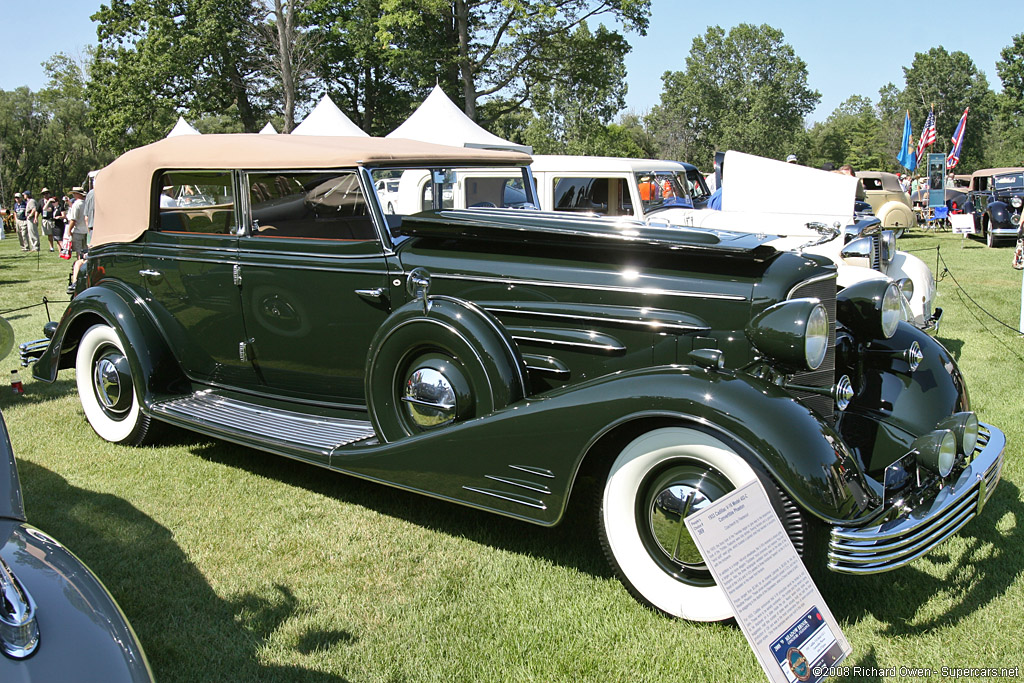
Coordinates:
(235, 565)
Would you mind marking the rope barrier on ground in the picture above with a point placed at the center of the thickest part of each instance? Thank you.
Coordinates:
(947, 271)
(45, 302)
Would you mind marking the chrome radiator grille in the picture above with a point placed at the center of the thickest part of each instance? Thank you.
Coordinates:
(823, 289)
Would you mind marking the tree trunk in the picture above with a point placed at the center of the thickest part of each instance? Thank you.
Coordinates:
(465, 65)
(285, 17)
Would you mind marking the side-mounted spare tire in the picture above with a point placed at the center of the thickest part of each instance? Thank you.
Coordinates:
(449, 363)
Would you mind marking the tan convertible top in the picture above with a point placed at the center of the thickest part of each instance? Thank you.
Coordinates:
(123, 188)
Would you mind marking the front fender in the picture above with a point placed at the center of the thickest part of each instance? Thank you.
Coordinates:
(154, 366)
(999, 215)
(904, 265)
(893, 406)
(522, 461)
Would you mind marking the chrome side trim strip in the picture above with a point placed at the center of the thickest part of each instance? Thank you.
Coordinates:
(539, 471)
(594, 319)
(510, 497)
(559, 342)
(646, 291)
(529, 486)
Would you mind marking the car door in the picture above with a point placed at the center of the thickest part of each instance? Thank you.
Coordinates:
(190, 258)
(313, 283)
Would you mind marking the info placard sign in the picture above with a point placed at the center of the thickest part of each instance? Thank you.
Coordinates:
(936, 180)
(776, 603)
(962, 223)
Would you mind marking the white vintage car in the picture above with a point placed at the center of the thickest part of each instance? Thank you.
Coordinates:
(818, 219)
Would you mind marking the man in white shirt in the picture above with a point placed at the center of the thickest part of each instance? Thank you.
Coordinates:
(76, 227)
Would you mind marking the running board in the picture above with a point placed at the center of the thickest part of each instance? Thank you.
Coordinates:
(292, 433)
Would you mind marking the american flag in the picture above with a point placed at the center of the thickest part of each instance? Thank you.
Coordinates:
(927, 135)
(958, 142)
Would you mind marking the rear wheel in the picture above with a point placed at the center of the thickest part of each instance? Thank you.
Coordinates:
(655, 482)
(106, 388)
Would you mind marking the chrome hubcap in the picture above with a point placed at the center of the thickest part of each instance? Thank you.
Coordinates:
(429, 398)
(671, 506)
(112, 381)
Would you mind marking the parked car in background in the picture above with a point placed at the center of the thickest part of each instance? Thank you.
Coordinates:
(995, 200)
(990, 200)
(806, 209)
(57, 621)
(519, 362)
(387, 192)
(889, 203)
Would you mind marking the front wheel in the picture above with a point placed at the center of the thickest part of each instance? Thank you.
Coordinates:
(655, 482)
(106, 389)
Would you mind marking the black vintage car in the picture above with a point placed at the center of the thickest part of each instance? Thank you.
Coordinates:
(995, 200)
(514, 360)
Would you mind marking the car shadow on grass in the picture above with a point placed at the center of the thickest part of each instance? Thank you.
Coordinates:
(189, 633)
(572, 543)
(972, 569)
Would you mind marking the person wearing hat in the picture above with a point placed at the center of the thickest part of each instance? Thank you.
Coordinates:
(75, 228)
(19, 220)
(791, 159)
(32, 216)
(46, 222)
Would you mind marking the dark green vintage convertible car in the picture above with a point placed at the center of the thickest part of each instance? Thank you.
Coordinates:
(251, 288)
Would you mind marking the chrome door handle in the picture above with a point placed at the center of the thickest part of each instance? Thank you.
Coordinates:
(375, 294)
(150, 273)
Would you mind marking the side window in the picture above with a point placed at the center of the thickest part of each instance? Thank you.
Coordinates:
(320, 206)
(501, 192)
(587, 195)
(200, 202)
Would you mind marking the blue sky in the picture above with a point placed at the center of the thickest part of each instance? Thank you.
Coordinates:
(851, 48)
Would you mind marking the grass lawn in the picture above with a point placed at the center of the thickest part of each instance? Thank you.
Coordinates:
(235, 565)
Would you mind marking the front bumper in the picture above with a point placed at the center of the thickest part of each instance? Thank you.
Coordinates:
(892, 544)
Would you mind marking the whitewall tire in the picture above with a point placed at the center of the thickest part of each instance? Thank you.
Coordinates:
(106, 389)
(657, 479)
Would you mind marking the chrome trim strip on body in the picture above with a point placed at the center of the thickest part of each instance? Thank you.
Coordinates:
(539, 471)
(529, 486)
(596, 319)
(647, 291)
(510, 497)
(572, 344)
(892, 544)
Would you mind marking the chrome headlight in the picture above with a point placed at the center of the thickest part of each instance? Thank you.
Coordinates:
(870, 308)
(964, 426)
(906, 286)
(1016, 202)
(888, 245)
(793, 333)
(936, 451)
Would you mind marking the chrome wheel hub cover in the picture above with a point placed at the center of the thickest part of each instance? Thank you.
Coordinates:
(112, 380)
(671, 506)
(429, 398)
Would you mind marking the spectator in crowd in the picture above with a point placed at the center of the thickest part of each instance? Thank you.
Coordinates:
(32, 218)
(76, 228)
(791, 159)
(715, 201)
(60, 208)
(20, 221)
(46, 214)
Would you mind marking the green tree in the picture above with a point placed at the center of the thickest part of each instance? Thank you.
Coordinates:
(1005, 144)
(491, 47)
(586, 89)
(159, 58)
(22, 121)
(950, 82)
(745, 90)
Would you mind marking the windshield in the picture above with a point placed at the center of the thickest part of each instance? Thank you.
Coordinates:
(1007, 181)
(663, 189)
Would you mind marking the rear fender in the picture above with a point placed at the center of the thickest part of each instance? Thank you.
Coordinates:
(153, 365)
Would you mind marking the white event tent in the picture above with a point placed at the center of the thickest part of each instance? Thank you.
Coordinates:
(268, 129)
(182, 128)
(327, 119)
(438, 120)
